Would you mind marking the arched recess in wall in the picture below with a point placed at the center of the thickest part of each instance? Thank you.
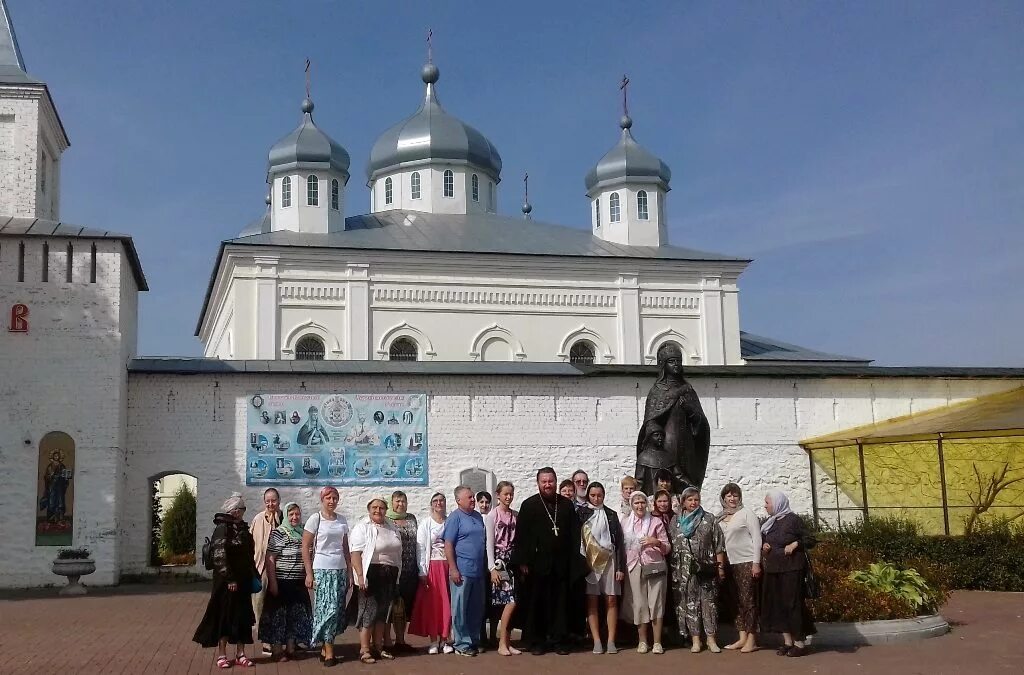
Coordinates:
(310, 327)
(691, 355)
(406, 330)
(55, 490)
(477, 479)
(172, 519)
(487, 340)
(601, 349)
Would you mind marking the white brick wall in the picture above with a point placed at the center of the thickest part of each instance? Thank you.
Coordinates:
(66, 374)
(511, 425)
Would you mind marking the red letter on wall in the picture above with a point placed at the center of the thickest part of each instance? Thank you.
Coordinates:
(19, 319)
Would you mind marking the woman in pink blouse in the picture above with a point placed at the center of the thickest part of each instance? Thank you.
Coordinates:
(646, 545)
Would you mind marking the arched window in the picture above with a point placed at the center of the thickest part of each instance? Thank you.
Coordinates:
(309, 348)
(582, 352)
(449, 183)
(476, 188)
(389, 191)
(286, 191)
(312, 191)
(597, 212)
(404, 349)
(415, 185)
(613, 208)
(641, 205)
(335, 194)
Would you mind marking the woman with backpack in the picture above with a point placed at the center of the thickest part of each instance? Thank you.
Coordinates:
(325, 555)
(229, 616)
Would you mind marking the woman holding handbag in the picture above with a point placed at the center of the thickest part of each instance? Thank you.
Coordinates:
(327, 561)
(646, 544)
(602, 546)
(784, 555)
(698, 564)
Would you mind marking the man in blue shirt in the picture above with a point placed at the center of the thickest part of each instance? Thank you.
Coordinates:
(464, 547)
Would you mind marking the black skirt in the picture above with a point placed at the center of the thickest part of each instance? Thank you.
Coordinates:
(228, 615)
(783, 607)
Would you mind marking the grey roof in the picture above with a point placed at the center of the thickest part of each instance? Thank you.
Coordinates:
(401, 230)
(258, 226)
(308, 148)
(199, 366)
(628, 162)
(755, 348)
(432, 134)
(37, 227)
(12, 65)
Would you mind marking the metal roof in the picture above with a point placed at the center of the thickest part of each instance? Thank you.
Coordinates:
(308, 148)
(432, 134)
(985, 415)
(12, 65)
(199, 365)
(37, 227)
(400, 230)
(755, 348)
(629, 162)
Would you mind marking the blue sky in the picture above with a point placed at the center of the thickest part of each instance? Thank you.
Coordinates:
(868, 155)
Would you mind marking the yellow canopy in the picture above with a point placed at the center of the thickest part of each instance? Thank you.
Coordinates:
(997, 414)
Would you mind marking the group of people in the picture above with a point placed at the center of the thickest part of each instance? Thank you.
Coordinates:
(545, 569)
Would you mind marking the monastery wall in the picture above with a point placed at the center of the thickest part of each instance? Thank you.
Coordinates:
(510, 425)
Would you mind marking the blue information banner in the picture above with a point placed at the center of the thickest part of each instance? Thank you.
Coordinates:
(336, 439)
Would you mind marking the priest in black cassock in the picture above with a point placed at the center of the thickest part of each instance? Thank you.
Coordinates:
(546, 552)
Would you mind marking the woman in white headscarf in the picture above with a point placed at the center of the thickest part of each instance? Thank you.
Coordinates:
(603, 548)
(646, 544)
(783, 603)
(229, 616)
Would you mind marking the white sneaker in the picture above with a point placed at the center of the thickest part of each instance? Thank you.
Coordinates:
(448, 649)
(433, 649)
(641, 648)
(658, 649)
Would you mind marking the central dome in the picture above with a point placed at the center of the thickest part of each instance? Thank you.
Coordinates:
(432, 134)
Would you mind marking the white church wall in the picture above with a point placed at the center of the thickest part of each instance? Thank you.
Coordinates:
(511, 426)
(67, 373)
(19, 125)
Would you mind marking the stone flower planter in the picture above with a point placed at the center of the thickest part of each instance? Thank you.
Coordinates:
(879, 632)
(73, 569)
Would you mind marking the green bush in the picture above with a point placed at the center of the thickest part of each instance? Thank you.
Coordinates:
(906, 584)
(990, 558)
(178, 531)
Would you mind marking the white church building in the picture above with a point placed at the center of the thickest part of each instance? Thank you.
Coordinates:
(530, 343)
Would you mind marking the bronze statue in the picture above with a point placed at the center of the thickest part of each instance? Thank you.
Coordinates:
(675, 435)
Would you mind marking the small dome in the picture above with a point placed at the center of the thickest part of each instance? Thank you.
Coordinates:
(627, 162)
(432, 134)
(308, 148)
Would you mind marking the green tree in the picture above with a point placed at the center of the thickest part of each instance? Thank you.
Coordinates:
(178, 531)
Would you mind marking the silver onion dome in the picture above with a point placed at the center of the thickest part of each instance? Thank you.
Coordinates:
(432, 134)
(308, 148)
(628, 161)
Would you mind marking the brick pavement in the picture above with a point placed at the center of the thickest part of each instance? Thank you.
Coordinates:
(148, 629)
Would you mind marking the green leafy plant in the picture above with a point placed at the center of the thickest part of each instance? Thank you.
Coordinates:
(906, 584)
(73, 554)
(178, 530)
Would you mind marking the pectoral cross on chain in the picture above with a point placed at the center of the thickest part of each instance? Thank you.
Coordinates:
(554, 528)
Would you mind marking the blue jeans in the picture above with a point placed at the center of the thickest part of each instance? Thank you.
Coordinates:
(467, 611)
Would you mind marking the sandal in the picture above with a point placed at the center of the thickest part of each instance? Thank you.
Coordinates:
(367, 657)
(223, 662)
(243, 661)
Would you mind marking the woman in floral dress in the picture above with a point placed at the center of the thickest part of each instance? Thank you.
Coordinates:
(409, 582)
(698, 563)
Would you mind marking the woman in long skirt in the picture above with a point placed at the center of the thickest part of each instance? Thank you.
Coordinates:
(742, 535)
(229, 616)
(432, 611)
(783, 603)
(326, 558)
(643, 598)
(408, 584)
(287, 615)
